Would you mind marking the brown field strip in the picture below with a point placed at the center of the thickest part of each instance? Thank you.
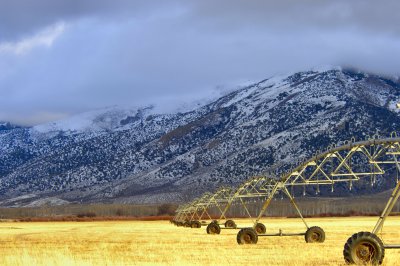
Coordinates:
(161, 243)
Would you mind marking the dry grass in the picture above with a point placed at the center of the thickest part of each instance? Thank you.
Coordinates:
(161, 243)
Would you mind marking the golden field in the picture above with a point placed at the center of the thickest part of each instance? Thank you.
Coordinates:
(161, 243)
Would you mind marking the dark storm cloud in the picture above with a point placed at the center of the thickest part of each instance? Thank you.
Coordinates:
(294, 14)
(62, 57)
(19, 17)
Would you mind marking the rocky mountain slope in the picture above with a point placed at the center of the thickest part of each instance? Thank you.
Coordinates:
(120, 155)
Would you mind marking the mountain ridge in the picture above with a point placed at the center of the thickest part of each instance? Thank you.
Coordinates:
(154, 157)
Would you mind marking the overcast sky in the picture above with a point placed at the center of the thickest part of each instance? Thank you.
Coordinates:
(59, 58)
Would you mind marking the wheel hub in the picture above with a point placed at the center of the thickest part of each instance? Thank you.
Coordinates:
(365, 252)
(315, 236)
(247, 238)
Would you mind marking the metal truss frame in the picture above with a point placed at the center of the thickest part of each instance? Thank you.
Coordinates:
(347, 163)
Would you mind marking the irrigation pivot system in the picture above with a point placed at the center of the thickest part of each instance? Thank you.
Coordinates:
(348, 163)
(255, 188)
(188, 214)
(193, 213)
(371, 159)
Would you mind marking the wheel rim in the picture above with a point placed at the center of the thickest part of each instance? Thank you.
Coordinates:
(365, 252)
(260, 229)
(315, 237)
(247, 238)
(213, 230)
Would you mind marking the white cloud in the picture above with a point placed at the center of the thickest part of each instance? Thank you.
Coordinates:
(44, 38)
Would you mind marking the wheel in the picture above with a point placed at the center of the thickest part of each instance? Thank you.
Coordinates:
(247, 236)
(187, 224)
(315, 234)
(230, 224)
(260, 228)
(364, 248)
(213, 229)
(196, 224)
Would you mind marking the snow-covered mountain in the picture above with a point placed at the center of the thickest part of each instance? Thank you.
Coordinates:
(139, 155)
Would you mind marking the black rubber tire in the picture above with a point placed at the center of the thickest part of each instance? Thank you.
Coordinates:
(247, 236)
(213, 229)
(315, 234)
(260, 228)
(364, 248)
(196, 224)
(230, 224)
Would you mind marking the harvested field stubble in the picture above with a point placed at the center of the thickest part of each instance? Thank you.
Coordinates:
(161, 243)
